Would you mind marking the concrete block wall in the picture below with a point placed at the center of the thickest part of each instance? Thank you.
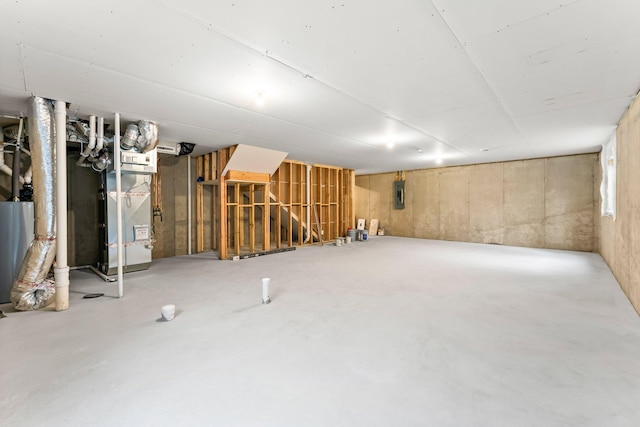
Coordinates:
(540, 203)
(619, 239)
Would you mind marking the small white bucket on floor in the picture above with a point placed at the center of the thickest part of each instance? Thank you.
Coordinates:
(338, 241)
(168, 311)
(348, 239)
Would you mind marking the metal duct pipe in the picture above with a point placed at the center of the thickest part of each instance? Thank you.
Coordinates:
(31, 289)
(92, 143)
(130, 138)
(61, 272)
(148, 138)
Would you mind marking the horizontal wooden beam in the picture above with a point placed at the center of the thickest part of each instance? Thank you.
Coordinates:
(241, 176)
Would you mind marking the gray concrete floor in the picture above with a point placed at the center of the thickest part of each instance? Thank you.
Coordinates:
(388, 332)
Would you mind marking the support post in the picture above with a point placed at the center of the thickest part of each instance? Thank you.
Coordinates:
(116, 160)
(61, 271)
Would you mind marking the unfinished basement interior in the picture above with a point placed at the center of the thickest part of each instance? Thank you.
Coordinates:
(330, 214)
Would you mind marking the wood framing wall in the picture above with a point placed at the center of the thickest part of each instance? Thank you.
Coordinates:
(253, 213)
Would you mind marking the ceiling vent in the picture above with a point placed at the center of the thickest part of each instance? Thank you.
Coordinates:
(168, 148)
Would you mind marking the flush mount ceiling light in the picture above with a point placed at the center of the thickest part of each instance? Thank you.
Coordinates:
(390, 145)
(439, 161)
(260, 98)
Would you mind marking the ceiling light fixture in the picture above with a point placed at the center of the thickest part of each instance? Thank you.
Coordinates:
(390, 145)
(260, 98)
(439, 161)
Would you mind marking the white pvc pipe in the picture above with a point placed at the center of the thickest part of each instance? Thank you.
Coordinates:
(309, 227)
(189, 205)
(100, 143)
(28, 175)
(265, 290)
(61, 271)
(116, 159)
(3, 167)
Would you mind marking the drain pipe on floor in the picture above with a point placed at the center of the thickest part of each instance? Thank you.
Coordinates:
(116, 159)
(61, 271)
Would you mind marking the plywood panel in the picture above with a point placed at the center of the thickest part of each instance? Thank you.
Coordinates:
(254, 159)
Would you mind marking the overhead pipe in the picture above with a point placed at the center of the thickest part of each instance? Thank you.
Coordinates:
(82, 161)
(61, 271)
(100, 142)
(3, 168)
(116, 159)
(28, 175)
(32, 290)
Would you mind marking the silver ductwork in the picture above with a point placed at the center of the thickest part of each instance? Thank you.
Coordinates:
(130, 137)
(31, 289)
(148, 139)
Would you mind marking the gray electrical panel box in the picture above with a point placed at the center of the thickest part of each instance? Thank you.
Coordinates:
(398, 195)
(16, 235)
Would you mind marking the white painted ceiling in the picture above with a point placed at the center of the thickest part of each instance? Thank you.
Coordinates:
(442, 79)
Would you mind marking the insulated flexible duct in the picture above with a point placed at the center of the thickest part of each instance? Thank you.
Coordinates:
(148, 139)
(31, 289)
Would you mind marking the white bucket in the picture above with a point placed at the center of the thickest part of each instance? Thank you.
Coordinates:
(168, 311)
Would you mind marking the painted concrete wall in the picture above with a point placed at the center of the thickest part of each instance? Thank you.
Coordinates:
(540, 203)
(620, 239)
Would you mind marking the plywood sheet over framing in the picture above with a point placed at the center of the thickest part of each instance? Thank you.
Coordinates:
(256, 212)
(257, 160)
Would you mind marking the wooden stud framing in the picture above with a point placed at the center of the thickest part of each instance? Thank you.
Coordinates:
(222, 207)
(281, 207)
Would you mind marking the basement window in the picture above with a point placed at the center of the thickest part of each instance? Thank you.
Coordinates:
(608, 162)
